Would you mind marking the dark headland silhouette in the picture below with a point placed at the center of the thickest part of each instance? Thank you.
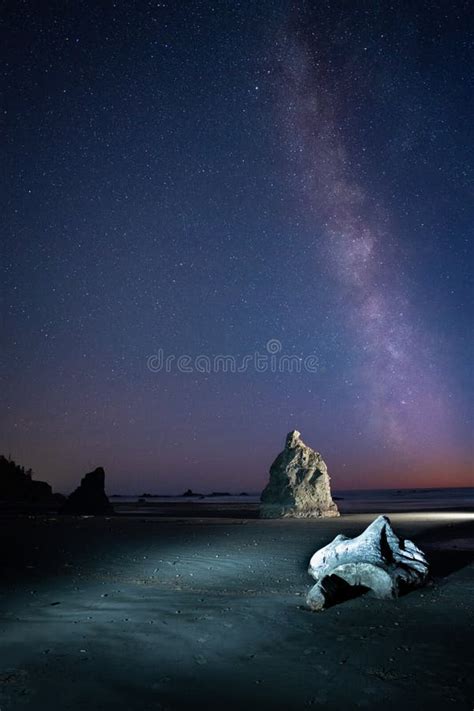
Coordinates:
(21, 493)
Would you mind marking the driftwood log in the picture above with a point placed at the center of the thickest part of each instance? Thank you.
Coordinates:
(376, 561)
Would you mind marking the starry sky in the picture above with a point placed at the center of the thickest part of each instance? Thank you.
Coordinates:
(225, 178)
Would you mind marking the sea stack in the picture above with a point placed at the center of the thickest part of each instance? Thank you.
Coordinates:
(299, 484)
(89, 498)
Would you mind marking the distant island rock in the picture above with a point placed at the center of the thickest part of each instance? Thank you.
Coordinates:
(299, 484)
(89, 498)
(190, 492)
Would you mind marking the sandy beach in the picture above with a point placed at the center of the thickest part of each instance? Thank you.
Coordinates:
(207, 611)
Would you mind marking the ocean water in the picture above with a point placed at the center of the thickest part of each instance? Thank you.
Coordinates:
(348, 501)
(368, 500)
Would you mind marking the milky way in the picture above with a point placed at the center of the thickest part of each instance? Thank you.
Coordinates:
(206, 178)
(404, 400)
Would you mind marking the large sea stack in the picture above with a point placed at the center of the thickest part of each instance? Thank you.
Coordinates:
(89, 498)
(299, 484)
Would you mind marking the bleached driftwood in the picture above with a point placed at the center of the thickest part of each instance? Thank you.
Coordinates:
(377, 560)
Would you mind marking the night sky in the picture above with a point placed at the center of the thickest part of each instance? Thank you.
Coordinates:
(208, 177)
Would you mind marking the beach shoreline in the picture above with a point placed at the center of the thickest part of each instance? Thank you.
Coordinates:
(180, 611)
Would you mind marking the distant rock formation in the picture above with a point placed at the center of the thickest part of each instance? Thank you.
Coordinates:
(376, 561)
(90, 497)
(18, 488)
(189, 492)
(299, 484)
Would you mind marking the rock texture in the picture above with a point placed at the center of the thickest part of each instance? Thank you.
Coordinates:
(376, 561)
(299, 484)
(89, 497)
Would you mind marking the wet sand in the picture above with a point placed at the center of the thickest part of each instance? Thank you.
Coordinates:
(207, 611)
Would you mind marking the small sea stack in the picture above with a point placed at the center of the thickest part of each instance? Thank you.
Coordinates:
(299, 484)
(89, 498)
